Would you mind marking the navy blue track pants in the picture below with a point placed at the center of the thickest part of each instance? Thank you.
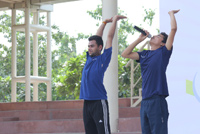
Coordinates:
(154, 115)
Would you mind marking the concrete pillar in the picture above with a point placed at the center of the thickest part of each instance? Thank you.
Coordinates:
(111, 75)
(49, 66)
(14, 58)
(27, 52)
(35, 56)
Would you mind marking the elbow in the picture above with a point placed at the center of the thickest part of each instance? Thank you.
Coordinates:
(124, 55)
(174, 29)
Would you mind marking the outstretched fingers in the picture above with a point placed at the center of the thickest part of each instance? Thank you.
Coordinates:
(174, 11)
(119, 17)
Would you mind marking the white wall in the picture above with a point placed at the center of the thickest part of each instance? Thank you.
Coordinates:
(184, 65)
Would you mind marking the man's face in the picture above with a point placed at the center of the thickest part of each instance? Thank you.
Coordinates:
(94, 49)
(157, 40)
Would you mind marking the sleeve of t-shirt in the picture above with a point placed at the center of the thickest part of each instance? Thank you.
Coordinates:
(167, 52)
(87, 55)
(106, 57)
(139, 53)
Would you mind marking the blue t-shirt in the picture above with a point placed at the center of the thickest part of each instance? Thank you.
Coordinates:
(153, 69)
(92, 87)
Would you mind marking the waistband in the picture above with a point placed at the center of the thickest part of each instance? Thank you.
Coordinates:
(155, 97)
(93, 100)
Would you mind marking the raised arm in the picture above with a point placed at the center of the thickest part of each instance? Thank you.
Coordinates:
(172, 33)
(101, 28)
(112, 30)
(128, 52)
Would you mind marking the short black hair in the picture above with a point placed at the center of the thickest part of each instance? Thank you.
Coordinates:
(97, 38)
(165, 36)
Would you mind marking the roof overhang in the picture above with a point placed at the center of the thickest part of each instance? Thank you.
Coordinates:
(35, 4)
(44, 2)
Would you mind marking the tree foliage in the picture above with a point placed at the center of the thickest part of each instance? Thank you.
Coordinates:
(68, 84)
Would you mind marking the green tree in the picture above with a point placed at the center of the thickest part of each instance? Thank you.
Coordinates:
(69, 83)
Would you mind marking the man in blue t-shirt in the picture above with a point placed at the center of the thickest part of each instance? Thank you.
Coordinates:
(154, 110)
(95, 110)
